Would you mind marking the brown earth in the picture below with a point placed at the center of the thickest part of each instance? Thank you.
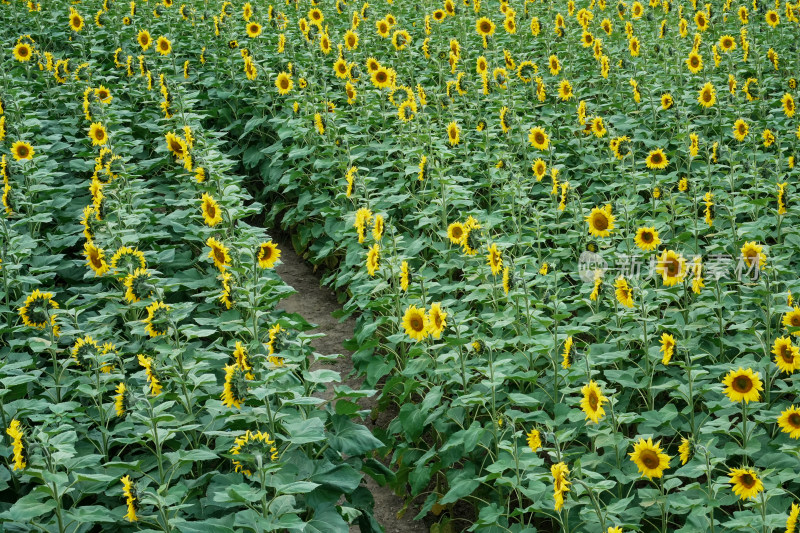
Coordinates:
(316, 303)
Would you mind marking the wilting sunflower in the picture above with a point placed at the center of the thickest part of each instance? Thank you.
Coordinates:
(742, 385)
(667, 347)
(98, 134)
(453, 133)
(647, 238)
(415, 322)
(752, 253)
(436, 320)
(789, 422)
(601, 221)
(219, 253)
(592, 402)
(740, 129)
(164, 46)
(649, 458)
(707, 96)
(268, 253)
(657, 160)
(787, 356)
(745, 483)
(23, 52)
(538, 138)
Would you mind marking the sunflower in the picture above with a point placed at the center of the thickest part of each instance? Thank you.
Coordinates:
(103, 94)
(623, 292)
(176, 145)
(127, 259)
(772, 18)
(694, 62)
(164, 46)
(383, 28)
(657, 160)
(740, 129)
(456, 232)
(252, 444)
(666, 101)
(647, 238)
(234, 392)
(484, 27)
(782, 193)
(788, 105)
(495, 259)
(667, 347)
(565, 90)
(35, 312)
(598, 128)
(23, 52)
(453, 133)
(685, 450)
(401, 39)
(436, 320)
(381, 77)
(560, 472)
(98, 134)
(539, 168)
(219, 253)
(554, 65)
(768, 137)
(538, 138)
(415, 322)
(707, 96)
(745, 483)
(789, 422)
(157, 323)
(787, 356)
(792, 320)
(138, 285)
(742, 385)
(791, 521)
(75, 21)
(672, 267)
(649, 458)
(284, 83)
(212, 215)
(534, 439)
(601, 221)
(633, 46)
(592, 402)
(129, 492)
(752, 252)
(727, 43)
(95, 258)
(504, 119)
(405, 276)
(22, 151)
(373, 255)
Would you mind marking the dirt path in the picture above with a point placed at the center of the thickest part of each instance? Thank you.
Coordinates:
(315, 304)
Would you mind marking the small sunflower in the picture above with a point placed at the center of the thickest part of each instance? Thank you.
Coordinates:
(284, 83)
(787, 356)
(740, 130)
(95, 258)
(707, 96)
(23, 52)
(164, 46)
(22, 151)
(212, 215)
(456, 232)
(453, 133)
(98, 134)
(436, 320)
(792, 320)
(753, 253)
(672, 268)
(538, 138)
(666, 101)
(667, 347)
(218, 253)
(253, 30)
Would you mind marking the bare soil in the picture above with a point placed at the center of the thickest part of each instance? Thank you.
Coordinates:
(316, 303)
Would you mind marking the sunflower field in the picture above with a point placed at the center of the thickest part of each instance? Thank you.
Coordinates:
(565, 230)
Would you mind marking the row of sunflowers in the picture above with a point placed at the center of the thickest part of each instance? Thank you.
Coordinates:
(148, 380)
